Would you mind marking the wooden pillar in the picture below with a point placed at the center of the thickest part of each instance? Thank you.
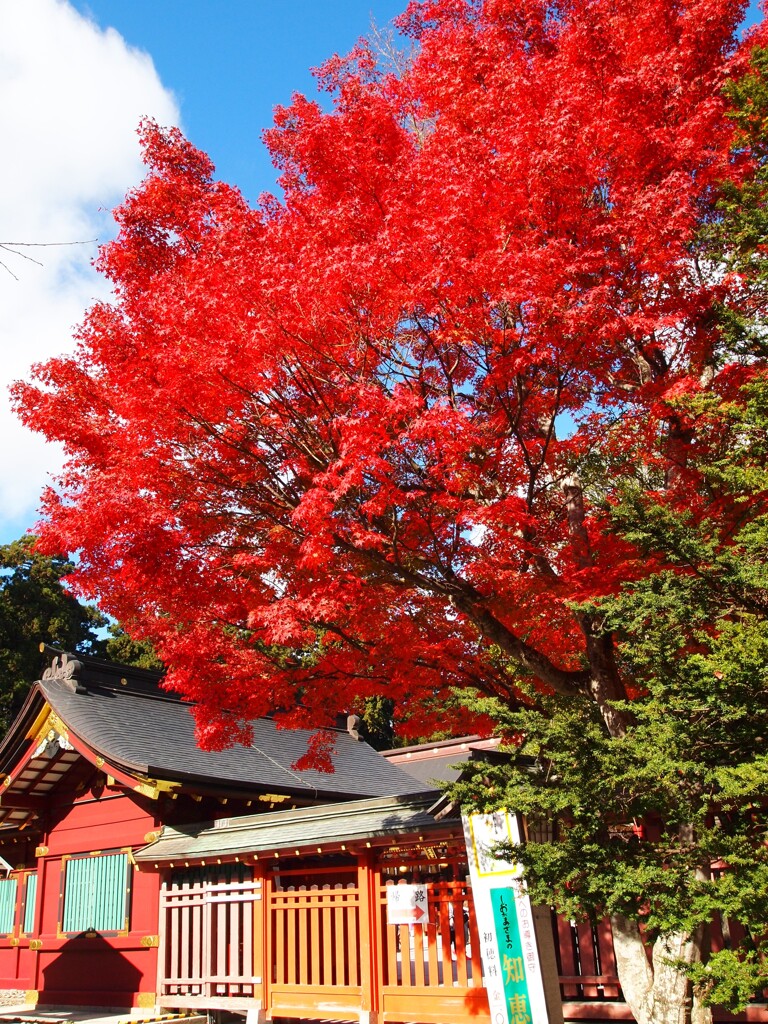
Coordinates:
(369, 938)
(376, 927)
(542, 926)
(45, 881)
(262, 944)
(162, 937)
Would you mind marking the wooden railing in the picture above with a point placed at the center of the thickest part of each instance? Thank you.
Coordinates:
(586, 961)
(299, 950)
(319, 943)
(315, 933)
(442, 951)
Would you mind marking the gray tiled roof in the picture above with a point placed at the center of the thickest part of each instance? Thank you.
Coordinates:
(356, 821)
(435, 769)
(125, 717)
(436, 763)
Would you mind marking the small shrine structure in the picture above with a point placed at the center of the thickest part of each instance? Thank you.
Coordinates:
(97, 762)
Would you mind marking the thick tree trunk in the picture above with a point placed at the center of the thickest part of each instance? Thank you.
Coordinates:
(657, 992)
(604, 687)
(633, 968)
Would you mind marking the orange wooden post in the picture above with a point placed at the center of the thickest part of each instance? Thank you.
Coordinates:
(418, 955)
(276, 933)
(389, 942)
(611, 988)
(301, 907)
(369, 934)
(341, 975)
(570, 988)
(378, 926)
(445, 933)
(474, 941)
(587, 958)
(315, 950)
(353, 941)
(291, 964)
(259, 945)
(44, 880)
(326, 940)
(459, 941)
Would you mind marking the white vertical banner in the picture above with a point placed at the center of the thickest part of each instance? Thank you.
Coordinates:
(510, 956)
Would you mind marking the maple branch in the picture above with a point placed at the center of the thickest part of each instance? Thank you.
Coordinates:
(282, 495)
(566, 683)
(466, 599)
(574, 503)
(332, 627)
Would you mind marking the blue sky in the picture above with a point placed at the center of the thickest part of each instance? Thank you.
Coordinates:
(78, 75)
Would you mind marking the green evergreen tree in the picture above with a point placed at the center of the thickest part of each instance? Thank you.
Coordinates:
(35, 608)
(121, 647)
(376, 715)
(639, 820)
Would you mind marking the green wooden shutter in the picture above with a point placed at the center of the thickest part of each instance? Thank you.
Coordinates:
(30, 896)
(95, 893)
(7, 903)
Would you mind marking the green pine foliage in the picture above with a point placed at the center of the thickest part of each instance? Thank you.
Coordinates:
(35, 608)
(640, 820)
(123, 649)
(376, 714)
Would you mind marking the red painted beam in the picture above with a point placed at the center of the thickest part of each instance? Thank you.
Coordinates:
(23, 801)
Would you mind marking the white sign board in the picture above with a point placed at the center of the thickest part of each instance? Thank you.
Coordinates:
(511, 967)
(407, 904)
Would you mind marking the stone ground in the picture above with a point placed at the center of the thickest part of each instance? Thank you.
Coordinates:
(90, 1015)
(24, 1014)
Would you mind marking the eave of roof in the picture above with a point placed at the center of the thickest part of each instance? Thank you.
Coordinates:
(41, 752)
(306, 830)
(441, 747)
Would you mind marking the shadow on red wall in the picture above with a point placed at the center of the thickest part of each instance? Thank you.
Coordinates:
(89, 971)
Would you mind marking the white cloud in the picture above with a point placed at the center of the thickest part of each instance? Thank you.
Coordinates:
(71, 98)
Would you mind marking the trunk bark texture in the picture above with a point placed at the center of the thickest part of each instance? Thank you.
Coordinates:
(632, 966)
(657, 992)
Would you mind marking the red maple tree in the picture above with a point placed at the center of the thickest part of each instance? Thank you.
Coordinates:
(336, 445)
(365, 439)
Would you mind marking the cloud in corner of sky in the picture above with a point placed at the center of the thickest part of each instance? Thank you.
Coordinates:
(71, 98)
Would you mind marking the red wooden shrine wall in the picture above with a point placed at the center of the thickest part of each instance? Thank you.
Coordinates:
(112, 969)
